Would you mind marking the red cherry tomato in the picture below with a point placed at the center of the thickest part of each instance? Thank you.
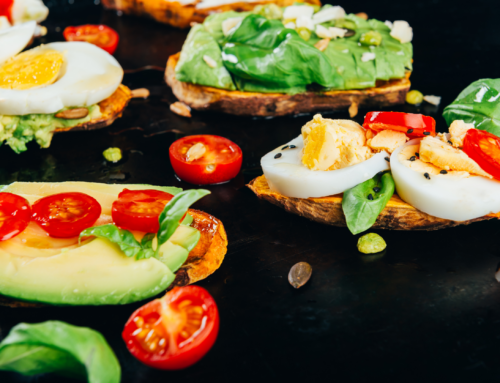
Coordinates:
(15, 215)
(221, 159)
(101, 35)
(175, 331)
(414, 125)
(6, 9)
(140, 209)
(484, 148)
(66, 215)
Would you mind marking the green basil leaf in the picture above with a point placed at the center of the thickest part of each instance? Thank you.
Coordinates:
(478, 104)
(123, 238)
(175, 210)
(58, 347)
(360, 212)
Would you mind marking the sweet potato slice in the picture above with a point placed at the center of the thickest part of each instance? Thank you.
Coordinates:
(397, 215)
(181, 16)
(387, 93)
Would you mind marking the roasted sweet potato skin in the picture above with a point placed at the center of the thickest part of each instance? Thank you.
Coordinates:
(111, 109)
(397, 215)
(203, 260)
(205, 98)
(181, 16)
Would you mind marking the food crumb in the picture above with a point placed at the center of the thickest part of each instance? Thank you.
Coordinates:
(181, 109)
(371, 243)
(112, 154)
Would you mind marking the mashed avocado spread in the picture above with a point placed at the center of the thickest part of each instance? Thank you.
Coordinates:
(17, 131)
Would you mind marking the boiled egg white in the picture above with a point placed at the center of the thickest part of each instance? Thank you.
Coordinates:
(13, 40)
(88, 75)
(446, 196)
(288, 176)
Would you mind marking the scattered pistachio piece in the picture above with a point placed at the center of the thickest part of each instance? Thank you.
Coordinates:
(196, 151)
(299, 274)
(112, 154)
(371, 243)
(181, 109)
(140, 93)
(73, 114)
(322, 44)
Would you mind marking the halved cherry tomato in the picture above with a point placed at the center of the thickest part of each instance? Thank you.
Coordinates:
(140, 209)
(15, 215)
(6, 9)
(414, 125)
(101, 35)
(175, 331)
(484, 148)
(66, 215)
(220, 162)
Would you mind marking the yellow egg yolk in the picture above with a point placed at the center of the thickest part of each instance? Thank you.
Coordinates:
(35, 68)
(333, 144)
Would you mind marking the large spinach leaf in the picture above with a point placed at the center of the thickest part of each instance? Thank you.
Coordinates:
(193, 68)
(478, 104)
(58, 347)
(264, 51)
(360, 211)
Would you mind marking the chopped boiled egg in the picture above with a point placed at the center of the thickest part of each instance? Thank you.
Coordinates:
(445, 156)
(305, 22)
(290, 25)
(330, 33)
(329, 14)
(33, 69)
(402, 31)
(368, 56)
(296, 11)
(388, 140)
(333, 144)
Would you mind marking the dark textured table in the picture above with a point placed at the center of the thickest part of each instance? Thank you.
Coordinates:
(428, 309)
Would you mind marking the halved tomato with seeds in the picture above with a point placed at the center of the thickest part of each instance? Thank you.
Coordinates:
(15, 215)
(175, 331)
(66, 215)
(484, 148)
(140, 209)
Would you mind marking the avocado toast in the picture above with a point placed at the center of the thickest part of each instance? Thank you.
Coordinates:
(298, 59)
(94, 269)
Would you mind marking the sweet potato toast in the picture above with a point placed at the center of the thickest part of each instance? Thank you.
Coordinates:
(397, 215)
(111, 109)
(202, 261)
(182, 15)
(200, 97)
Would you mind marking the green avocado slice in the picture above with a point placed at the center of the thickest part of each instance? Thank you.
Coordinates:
(96, 272)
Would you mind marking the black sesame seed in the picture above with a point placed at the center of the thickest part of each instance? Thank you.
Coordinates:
(426, 175)
(451, 143)
(376, 189)
(410, 131)
(413, 158)
(387, 159)
(427, 133)
(277, 155)
(370, 197)
(417, 154)
(292, 146)
(443, 172)
(284, 147)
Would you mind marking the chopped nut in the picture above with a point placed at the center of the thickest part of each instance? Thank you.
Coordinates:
(140, 93)
(210, 61)
(353, 109)
(73, 114)
(363, 15)
(299, 274)
(434, 100)
(322, 44)
(196, 151)
(181, 109)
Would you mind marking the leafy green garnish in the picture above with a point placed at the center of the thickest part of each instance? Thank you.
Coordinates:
(169, 222)
(360, 211)
(58, 347)
(478, 104)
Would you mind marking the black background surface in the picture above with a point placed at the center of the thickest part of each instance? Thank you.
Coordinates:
(428, 309)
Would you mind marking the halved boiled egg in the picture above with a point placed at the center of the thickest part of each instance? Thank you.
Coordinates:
(456, 196)
(287, 175)
(13, 40)
(51, 77)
